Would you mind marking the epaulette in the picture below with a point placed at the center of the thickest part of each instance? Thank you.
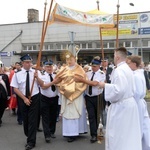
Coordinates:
(42, 72)
(102, 72)
(17, 71)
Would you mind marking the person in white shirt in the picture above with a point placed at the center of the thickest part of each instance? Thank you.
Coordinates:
(22, 83)
(91, 95)
(123, 125)
(134, 63)
(49, 101)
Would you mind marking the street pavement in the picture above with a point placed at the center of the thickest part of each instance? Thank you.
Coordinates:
(13, 138)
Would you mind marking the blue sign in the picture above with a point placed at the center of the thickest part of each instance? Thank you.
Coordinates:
(144, 30)
(144, 18)
(5, 54)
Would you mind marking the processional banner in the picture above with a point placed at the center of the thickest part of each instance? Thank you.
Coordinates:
(66, 15)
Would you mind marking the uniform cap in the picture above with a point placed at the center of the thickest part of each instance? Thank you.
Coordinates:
(48, 63)
(26, 57)
(96, 61)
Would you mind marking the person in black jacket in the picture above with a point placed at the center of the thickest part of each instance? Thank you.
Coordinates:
(4, 91)
(146, 74)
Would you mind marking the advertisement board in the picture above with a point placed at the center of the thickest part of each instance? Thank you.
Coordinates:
(128, 25)
(144, 23)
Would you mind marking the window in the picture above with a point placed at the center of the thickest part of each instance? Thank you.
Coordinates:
(64, 46)
(105, 44)
(58, 46)
(89, 45)
(24, 47)
(29, 47)
(46, 47)
(127, 44)
(34, 47)
(134, 43)
(98, 45)
(83, 45)
(145, 43)
(121, 44)
(51, 46)
(111, 44)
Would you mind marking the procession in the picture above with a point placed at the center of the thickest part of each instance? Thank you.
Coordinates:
(101, 98)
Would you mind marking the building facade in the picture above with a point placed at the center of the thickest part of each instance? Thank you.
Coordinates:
(21, 38)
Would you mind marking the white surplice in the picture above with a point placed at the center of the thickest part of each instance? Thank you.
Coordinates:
(123, 126)
(140, 92)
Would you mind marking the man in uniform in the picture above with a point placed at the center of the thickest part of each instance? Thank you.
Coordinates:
(49, 102)
(92, 92)
(22, 82)
(123, 126)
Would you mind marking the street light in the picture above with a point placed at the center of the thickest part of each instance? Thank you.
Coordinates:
(97, 4)
(131, 4)
(72, 37)
(117, 27)
(141, 43)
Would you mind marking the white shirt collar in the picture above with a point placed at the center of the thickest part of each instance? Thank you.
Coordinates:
(121, 63)
(26, 70)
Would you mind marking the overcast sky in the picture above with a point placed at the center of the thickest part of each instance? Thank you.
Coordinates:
(15, 11)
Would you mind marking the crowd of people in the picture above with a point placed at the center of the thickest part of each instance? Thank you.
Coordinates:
(73, 90)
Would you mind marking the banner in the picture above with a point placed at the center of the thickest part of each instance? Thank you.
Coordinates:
(128, 25)
(66, 15)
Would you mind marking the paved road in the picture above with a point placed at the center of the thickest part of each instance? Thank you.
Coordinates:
(12, 138)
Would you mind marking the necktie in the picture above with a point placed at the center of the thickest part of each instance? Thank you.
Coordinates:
(52, 87)
(27, 85)
(90, 87)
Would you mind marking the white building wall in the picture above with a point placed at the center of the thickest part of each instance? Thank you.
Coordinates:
(31, 34)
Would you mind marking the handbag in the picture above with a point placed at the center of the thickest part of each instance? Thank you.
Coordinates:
(13, 102)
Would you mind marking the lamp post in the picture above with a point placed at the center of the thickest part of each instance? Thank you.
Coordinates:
(97, 4)
(72, 37)
(141, 43)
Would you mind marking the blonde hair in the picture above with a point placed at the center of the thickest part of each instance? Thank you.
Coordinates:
(136, 59)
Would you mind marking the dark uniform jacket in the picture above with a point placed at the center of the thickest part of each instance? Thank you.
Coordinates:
(3, 92)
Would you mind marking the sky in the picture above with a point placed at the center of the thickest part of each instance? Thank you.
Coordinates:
(15, 11)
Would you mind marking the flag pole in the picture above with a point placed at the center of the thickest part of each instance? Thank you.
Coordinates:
(44, 29)
(99, 99)
(117, 26)
(101, 41)
(100, 32)
(41, 47)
